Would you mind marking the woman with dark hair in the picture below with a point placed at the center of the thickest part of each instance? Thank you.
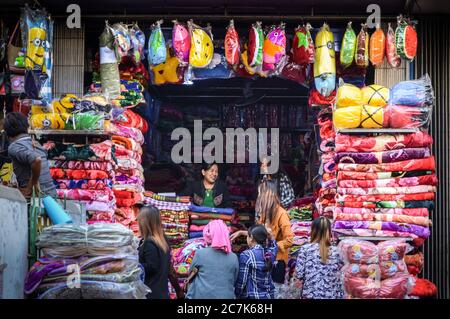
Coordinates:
(154, 255)
(255, 266)
(29, 158)
(274, 217)
(210, 191)
(318, 264)
(283, 184)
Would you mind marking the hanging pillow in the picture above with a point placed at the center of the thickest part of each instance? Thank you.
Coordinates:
(362, 47)
(274, 48)
(406, 39)
(255, 45)
(377, 46)
(391, 49)
(348, 47)
(181, 41)
(232, 45)
(202, 49)
(157, 45)
(303, 46)
(325, 64)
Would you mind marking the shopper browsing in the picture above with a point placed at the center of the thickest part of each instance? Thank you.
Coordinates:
(276, 220)
(215, 268)
(318, 264)
(29, 158)
(255, 266)
(154, 255)
(210, 191)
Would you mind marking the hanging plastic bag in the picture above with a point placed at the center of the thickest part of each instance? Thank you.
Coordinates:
(325, 63)
(348, 48)
(157, 45)
(362, 47)
(391, 48)
(181, 41)
(303, 46)
(122, 40)
(166, 72)
(109, 68)
(137, 38)
(413, 93)
(406, 39)
(375, 95)
(232, 45)
(202, 48)
(348, 95)
(377, 46)
(255, 45)
(274, 48)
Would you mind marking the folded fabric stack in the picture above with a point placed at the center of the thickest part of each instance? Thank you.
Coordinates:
(200, 216)
(325, 198)
(375, 271)
(174, 212)
(128, 128)
(104, 255)
(301, 220)
(85, 173)
(92, 112)
(386, 185)
(131, 93)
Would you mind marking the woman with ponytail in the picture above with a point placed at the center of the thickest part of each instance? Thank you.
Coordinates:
(255, 266)
(318, 264)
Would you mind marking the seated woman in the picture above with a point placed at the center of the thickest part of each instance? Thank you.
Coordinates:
(209, 191)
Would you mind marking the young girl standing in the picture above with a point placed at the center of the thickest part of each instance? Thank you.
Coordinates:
(255, 266)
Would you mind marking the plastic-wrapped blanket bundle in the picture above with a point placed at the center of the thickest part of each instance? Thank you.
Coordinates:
(407, 105)
(105, 254)
(375, 271)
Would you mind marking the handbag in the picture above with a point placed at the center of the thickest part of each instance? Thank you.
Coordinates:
(279, 272)
(13, 51)
(190, 279)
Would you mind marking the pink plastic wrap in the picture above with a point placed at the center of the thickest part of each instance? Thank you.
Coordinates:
(358, 251)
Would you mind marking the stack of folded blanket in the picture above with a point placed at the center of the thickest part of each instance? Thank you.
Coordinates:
(174, 212)
(85, 173)
(128, 128)
(200, 216)
(386, 185)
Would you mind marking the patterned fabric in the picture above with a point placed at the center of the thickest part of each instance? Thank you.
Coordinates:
(253, 281)
(200, 209)
(102, 166)
(287, 194)
(383, 142)
(82, 183)
(60, 173)
(167, 205)
(342, 175)
(105, 195)
(420, 231)
(410, 165)
(389, 204)
(391, 182)
(387, 190)
(415, 220)
(92, 152)
(320, 281)
(382, 157)
(386, 197)
(423, 212)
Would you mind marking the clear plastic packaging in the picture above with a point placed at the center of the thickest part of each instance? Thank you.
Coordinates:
(348, 47)
(413, 93)
(362, 47)
(232, 45)
(303, 46)
(375, 95)
(202, 48)
(325, 62)
(391, 49)
(377, 46)
(348, 95)
(181, 41)
(157, 53)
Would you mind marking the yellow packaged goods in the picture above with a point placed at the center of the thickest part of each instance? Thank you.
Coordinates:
(348, 95)
(52, 121)
(347, 117)
(202, 48)
(375, 95)
(372, 116)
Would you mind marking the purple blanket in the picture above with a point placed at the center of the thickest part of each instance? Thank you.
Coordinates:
(420, 231)
(382, 157)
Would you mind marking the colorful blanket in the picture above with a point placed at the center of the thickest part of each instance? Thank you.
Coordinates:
(102, 166)
(420, 212)
(428, 204)
(386, 197)
(83, 183)
(420, 231)
(77, 174)
(342, 175)
(202, 209)
(392, 182)
(414, 220)
(99, 152)
(409, 165)
(382, 157)
(388, 190)
(106, 195)
(383, 142)
(210, 216)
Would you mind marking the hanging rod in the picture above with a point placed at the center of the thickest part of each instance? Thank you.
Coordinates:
(181, 17)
